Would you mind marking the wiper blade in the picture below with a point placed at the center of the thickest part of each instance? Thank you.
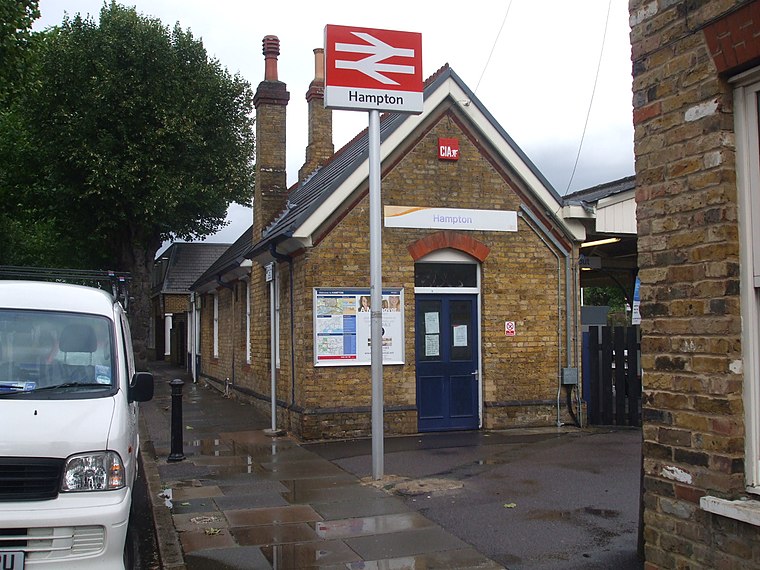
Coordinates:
(72, 385)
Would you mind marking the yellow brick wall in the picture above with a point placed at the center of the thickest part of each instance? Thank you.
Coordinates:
(689, 258)
(520, 281)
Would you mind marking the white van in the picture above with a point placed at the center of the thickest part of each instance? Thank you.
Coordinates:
(68, 427)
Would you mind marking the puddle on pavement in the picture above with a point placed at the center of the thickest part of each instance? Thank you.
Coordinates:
(300, 469)
(363, 526)
(272, 515)
(222, 471)
(209, 446)
(310, 555)
(273, 534)
(297, 486)
(462, 558)
(259, 453)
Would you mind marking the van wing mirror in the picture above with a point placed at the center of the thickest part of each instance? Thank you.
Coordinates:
(141, 387)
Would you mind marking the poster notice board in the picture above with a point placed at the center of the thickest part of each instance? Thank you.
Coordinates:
(342, 327)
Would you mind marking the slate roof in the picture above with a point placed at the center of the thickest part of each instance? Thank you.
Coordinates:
(186, 261)
(306, 197)
(596, 193)
(231, 259)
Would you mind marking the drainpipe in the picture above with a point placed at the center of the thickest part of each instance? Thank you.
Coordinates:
(279, 258)
(576, 356)
(191, 333)
(568, 289)
(273, 352)
(232, 320)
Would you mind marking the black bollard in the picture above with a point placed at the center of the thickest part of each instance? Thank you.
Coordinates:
(176, 452)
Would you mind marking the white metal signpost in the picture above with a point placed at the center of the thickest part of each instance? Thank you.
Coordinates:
(374, 70)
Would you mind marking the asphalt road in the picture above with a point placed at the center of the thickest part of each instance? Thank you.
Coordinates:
(528, 500)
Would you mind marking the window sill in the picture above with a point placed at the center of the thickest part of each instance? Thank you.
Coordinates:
(744, 510)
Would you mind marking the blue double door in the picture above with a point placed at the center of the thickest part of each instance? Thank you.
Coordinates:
(447, 362)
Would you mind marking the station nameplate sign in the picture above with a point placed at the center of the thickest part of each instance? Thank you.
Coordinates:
(368, 69)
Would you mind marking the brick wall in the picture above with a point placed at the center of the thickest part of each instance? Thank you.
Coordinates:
(176, 303)
(520, 281)
(689, 267)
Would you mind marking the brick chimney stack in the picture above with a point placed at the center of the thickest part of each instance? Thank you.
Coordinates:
(270, 101)
(320, 147)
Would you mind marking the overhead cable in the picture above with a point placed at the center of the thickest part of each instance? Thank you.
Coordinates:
(591, 102)
(493, 47)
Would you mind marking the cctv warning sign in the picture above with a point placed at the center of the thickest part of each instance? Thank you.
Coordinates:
(448, 149)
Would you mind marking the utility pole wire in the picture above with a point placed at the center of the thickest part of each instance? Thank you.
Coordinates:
(493, 47)
(591, 103)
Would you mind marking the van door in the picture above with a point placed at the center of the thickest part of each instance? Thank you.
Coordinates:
(129, 361)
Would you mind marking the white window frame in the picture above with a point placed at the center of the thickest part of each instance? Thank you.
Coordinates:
(216, 324)
(276, 278)
(197, 324)
(747, 131)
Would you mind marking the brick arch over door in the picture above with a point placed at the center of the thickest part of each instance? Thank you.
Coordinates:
(449, 239)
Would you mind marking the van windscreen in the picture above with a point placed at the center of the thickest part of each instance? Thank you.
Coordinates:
(54, 353)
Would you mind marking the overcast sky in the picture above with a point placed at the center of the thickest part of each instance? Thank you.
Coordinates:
(538, 83)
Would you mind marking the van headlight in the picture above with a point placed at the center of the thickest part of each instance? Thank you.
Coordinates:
(97, 471)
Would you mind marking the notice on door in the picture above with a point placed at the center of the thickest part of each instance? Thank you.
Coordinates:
(460, 335)
(431, 323)
(432, 345)
(342, 327)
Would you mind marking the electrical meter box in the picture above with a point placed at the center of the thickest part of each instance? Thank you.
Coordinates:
(569, 376)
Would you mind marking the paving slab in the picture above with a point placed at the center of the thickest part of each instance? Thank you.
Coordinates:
(523, 499)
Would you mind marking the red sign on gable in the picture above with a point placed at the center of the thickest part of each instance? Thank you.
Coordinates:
(448, 149)
(370, 69)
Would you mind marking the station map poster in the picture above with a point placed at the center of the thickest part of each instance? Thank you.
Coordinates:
(342, 327)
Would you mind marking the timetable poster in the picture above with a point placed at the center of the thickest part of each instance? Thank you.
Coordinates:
(342, 334)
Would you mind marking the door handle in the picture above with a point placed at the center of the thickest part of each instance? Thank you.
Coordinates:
(475, 373)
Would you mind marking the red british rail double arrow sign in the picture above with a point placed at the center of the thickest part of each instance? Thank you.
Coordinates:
(371, 69)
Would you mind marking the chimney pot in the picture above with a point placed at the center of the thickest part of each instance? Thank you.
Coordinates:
(271, 49)
(320, 147)
(319, 64)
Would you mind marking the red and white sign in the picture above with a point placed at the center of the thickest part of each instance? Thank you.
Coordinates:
(368, 69)
(509, 328)
(448, 149)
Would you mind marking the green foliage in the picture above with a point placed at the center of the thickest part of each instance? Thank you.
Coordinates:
(124, 135)
(612, 297)
(16, 18)
(144, 137)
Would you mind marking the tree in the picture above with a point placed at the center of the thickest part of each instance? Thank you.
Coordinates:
(139, 137)
(612, 297)
(16, 18)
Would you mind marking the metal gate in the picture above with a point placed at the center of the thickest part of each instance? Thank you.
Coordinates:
(612, 375)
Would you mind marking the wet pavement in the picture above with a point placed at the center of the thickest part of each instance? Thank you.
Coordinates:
(527, 498)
